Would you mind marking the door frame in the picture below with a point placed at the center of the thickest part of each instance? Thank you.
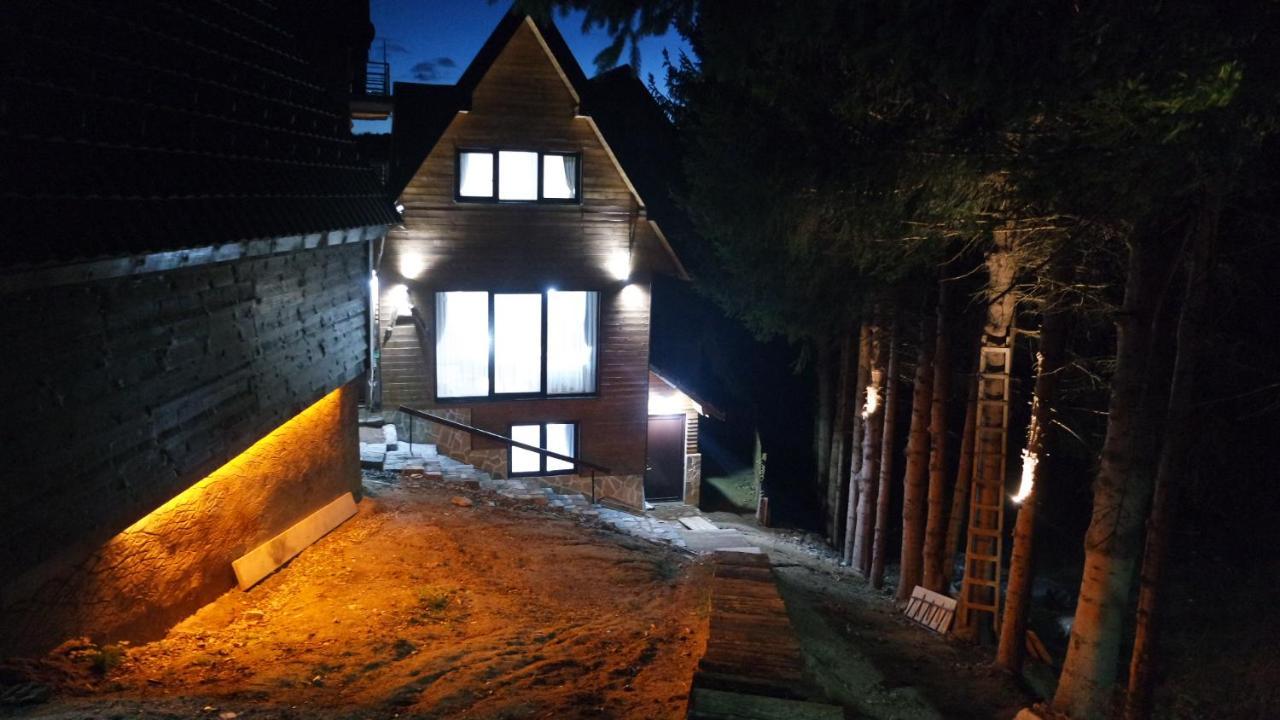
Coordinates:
(684, 440)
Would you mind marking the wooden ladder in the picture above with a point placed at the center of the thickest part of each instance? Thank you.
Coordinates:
(984, 549)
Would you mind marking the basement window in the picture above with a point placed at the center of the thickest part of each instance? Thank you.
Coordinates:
(561, 438)
(518, 176)
(516, 345)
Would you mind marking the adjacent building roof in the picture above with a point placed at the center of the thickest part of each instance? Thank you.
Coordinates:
(151, 125)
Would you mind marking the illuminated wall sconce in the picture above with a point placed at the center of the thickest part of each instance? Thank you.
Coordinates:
(400, 208)
(619, 265)
(411, 267)
(633, 296)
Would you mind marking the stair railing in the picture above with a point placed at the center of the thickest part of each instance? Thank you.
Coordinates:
(509, 442)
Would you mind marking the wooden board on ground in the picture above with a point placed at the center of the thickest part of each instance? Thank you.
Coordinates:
(930, 609)
(264, 559)
(752, 668)
(707, 704)
(711, 540)
(697, 522)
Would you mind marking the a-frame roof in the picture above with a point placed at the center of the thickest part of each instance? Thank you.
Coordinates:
(424, 112)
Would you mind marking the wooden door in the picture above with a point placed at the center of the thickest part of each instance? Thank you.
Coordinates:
(664, 466)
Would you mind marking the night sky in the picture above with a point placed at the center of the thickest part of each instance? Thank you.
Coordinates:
(432, 41)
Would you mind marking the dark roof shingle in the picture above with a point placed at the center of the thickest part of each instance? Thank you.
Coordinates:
(149, 125)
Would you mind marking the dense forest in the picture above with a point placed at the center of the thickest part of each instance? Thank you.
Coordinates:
(1025, 253)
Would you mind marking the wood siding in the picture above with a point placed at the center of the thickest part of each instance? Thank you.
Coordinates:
(125, 391)
(523, 103)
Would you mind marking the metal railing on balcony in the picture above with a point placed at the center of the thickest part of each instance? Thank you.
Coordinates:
(377, 78)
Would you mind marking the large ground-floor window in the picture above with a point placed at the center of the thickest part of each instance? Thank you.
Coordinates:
(516, 344)
(559, 438)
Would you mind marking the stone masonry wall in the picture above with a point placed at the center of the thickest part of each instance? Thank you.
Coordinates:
(693, 479)
(120, 393)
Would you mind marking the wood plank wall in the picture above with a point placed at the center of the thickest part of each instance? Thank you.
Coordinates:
(523, 103)
(121, 393)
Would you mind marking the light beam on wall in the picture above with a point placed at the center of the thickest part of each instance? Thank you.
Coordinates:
(619, 265)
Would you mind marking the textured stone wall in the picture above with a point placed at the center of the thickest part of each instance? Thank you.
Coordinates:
(693, 479)
(178, 558)
(121, 393)
(625, 489)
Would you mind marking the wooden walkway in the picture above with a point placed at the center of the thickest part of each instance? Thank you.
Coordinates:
(753, 668)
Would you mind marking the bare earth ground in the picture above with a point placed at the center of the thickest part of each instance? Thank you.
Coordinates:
(419, 608)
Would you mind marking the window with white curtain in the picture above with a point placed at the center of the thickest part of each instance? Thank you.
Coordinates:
(475, 174)
(517, 175)
(517, 343)
(559, 177)
(519, 362)
(523, 176)
(526, 461)
(462, 344)
(561, 438)
(572, 319)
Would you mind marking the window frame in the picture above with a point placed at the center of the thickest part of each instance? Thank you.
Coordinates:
(542, 443)
(493, 199)
(542, 394)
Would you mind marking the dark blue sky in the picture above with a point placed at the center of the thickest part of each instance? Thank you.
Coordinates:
(434, 40)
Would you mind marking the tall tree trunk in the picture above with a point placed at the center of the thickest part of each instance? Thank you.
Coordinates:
(964, 482)
(822, 421)
(859, 427)
(1121, 490)
(870, 475)
(915, 480)
(935, 532)
(846, 402)
(1175, 456)
(1013, 626)
(882, 496)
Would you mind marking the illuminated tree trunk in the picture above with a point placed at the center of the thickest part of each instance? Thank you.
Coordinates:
(1121, 490)
(964, 482)
(860, 555)
(935, 532)
(1175, 455)
(822, 421)
(882, 496)
(859, 429)
(846, 404)
(1013, 625)
(915, 480)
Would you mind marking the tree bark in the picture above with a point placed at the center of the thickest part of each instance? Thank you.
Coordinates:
(915, 480)
(1175, 456)
(882, 495)
(861, 553)
(822, 422)
(846, 401)
(859, 429)
(964, 482)
(1013, 626)
(1121, 491)
(935, 532)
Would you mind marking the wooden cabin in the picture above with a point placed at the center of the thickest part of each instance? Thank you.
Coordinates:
(515, 294)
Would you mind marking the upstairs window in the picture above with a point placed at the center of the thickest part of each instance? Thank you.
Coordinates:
(523, 176)
(516, 344)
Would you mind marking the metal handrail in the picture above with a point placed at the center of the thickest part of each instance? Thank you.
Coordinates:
(509, 442)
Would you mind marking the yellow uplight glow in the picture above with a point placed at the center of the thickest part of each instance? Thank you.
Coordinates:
(1029, 461)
